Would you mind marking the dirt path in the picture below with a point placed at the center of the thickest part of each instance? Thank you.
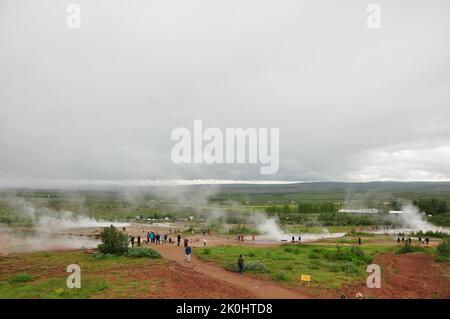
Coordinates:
(257, 287)
(407, 276)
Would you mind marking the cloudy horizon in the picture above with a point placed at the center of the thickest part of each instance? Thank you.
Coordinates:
(97, 105)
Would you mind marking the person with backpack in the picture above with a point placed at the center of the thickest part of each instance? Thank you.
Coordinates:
(188, 251)
(240, 264)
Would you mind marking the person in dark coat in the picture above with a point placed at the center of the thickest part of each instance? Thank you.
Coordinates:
(240, 263)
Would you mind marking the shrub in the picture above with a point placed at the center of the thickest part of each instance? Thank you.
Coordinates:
(351, 269)
(256, 266)
(251, 266)
(20, 278)
(206, 251)
(280, 276)
(407, 248)
(288, 267)
(313, 255)
(288, 249)
(357, 251)
(113, 241)
(141, 252)
(341, 254)
(333, 268)
(443, 250)
(102, 256)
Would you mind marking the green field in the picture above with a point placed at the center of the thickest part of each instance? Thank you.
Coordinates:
(310, 204)
(329, 266)
(43, 275)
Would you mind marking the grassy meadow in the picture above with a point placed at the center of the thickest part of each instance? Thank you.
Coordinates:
(43, 275)
(329, 266)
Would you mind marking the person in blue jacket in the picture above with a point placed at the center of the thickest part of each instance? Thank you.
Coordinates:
(188, 251)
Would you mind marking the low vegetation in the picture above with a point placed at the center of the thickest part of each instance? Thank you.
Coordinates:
(443, 251)
(329, 266)
(20, 278)
(143, 252)
(43, 275)
(408, 248)
(113, 241)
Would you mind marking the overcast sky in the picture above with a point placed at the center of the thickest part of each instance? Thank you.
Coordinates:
(100, 102)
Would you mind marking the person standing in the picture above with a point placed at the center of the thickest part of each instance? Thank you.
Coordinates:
(188, 251)
(359, 241)
(139, 241)
(178, 239)
(240, 264)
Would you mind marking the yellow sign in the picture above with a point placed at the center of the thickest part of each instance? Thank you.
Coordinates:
(305, 278)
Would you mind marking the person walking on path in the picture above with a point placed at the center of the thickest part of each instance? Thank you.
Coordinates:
(188, 251)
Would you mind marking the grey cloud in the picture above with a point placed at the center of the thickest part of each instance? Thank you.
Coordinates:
(99, 103)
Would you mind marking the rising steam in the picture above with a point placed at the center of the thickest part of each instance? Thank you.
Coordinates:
(47, 227)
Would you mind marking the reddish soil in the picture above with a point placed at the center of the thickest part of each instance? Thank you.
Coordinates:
(157, 280)
(256, 287)
(407, 276)
(175, 282)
